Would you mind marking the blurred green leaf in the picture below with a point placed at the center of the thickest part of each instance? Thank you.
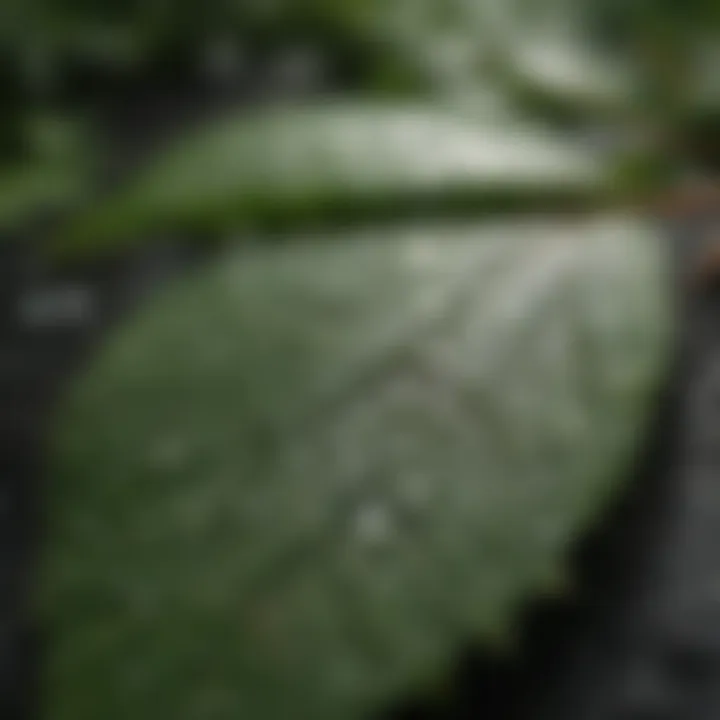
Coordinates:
(300, 165)
(296, 484)
(22, 192)
(35, 188)
(542, 58)
(558, 78)
(55, 173)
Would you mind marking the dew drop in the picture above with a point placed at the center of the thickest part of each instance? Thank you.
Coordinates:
(373, 524)
(422, 254)
(169, 453)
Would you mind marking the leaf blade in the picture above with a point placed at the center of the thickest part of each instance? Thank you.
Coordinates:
(306, 163)
(314, 503)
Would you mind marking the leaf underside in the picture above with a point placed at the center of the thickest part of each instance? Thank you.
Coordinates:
(293, 486)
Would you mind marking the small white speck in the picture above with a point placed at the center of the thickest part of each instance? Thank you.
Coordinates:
(422, 254)
(169, 453)
(373, 524)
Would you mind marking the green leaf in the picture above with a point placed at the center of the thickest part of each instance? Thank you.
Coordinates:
(295, 166)
(563, 69)
(34, 188)
(299, 481)
(559, 79)
(55, 174)
(541, 56)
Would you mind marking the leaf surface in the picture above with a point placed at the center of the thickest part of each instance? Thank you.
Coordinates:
(302, 165)
(298, 482)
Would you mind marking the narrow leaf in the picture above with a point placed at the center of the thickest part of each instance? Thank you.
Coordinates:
(314, 163)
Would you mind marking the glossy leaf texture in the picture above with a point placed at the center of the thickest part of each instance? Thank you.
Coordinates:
(298, 482)
(309, 164)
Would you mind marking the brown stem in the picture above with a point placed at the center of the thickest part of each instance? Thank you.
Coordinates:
(681, 202)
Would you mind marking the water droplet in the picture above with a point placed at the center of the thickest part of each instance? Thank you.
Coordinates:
(373, 524)
(422, 254)
(170, 453)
